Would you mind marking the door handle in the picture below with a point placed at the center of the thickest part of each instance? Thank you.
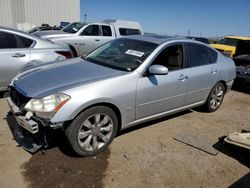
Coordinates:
(213, 71)
(18, 55)
(97, 40)
(182, 77)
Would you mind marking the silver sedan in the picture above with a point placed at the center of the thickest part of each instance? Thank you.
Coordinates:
(20, 51)
(123, 83)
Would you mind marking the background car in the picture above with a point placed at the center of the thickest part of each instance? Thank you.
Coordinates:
(227, 45)
(20, 51)
(201, 39)
(242, 62)
(44, 27)
(84, 37)
(123, 83)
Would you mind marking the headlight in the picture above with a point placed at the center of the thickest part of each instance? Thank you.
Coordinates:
(47, 106)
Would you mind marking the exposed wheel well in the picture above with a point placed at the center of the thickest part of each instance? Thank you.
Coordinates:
(73, 51)
(224, 83)
(111, 106)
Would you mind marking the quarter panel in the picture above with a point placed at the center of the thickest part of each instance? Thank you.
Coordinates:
(201, 79)
(226, 67)
(10, 66)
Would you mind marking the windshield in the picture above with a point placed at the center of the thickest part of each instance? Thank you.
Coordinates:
(229, 41)
(122, 54)
(73, 27)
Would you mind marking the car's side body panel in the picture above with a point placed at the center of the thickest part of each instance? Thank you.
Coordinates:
(119, 91)
(159, 93)
(11, 62)
(200, 81)
(14, 60)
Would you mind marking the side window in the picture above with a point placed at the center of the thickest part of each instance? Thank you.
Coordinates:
(92, 30)
(127, 31)
(213, 56)
(8, 40)
(23, 42)
(197, 55)
(106, 30)
(171, 57)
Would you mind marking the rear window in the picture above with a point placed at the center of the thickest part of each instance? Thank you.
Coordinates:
(212, 55)
(197, 55)
(127, 31)
(106, 30)
(8, 40)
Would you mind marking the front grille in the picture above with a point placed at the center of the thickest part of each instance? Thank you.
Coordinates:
(17, 98)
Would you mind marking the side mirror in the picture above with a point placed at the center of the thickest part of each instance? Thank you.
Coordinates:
(158, 70)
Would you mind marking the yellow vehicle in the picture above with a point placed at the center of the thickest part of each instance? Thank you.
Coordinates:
(228, 44)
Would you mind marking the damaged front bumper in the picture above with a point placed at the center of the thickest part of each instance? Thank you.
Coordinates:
(32, 133)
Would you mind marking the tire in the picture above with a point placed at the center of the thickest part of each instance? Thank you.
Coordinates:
(215, 97)
(6, 94)
(92, 131)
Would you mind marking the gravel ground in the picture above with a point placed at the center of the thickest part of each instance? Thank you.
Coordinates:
(143, 156)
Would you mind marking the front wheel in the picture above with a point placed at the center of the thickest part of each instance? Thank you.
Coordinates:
(215, 97)
(92, 131)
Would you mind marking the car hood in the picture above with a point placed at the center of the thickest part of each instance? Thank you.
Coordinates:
(52, 34)
(57, 77)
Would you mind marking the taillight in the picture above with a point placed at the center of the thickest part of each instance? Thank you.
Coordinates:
(66, 54)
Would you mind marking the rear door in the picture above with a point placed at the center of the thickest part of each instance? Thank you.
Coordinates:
(91, 38)
(201, 69)
(14, 54)
(107, 33)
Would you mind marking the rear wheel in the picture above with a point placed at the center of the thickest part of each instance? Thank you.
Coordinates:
(215, 97)
(92, 131)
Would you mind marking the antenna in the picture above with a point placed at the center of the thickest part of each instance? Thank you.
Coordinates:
(85, 17)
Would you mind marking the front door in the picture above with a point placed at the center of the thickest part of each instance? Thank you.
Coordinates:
(161, 93)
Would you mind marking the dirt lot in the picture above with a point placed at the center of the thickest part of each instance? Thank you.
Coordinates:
(145, 156)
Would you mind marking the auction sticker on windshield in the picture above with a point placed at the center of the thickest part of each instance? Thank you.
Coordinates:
(134, 53)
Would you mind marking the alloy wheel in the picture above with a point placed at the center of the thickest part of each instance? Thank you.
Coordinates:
(216, 97)
(95, 132)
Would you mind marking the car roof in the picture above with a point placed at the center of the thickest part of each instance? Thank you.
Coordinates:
(13, 30)
(157, 39)
(237, 37)
(22, 33)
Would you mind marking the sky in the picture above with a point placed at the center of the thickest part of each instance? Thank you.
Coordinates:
(207, 18)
